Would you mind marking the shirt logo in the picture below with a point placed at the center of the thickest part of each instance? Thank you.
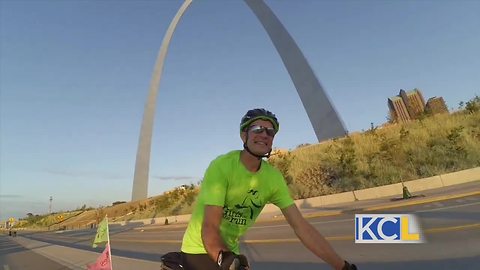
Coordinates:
(246, 209)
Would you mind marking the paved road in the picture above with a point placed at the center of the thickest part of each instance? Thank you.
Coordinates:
(14, 256)
(452, 229)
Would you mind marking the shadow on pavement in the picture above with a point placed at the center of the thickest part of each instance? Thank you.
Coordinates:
(8, 247)
(469, 263)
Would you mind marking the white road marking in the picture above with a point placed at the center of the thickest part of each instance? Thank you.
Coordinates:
(438, 204)
(448, 207)
(350, 220)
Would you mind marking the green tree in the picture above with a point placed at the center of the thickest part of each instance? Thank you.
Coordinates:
(473, 105)
(347, 158)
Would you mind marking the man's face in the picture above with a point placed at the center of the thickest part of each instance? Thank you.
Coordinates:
(259, 143)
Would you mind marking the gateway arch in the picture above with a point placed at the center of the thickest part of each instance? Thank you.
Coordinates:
(324, 118)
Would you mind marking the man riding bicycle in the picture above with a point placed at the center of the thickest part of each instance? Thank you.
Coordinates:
(234, 190)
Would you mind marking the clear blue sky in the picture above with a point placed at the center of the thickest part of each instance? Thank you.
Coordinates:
(74, 77)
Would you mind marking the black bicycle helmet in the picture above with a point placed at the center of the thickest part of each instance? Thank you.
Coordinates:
(256, 114)
(249, 118)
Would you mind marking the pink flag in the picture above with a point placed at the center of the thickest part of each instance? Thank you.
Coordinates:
(103, 262)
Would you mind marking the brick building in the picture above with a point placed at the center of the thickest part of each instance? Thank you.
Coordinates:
(436, 105)
(406, 105)
(409, 105)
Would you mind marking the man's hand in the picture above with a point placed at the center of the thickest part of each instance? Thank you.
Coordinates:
(244, 265)
(228, 260)
(349, 266)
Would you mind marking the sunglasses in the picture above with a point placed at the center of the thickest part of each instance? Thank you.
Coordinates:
(260, 129)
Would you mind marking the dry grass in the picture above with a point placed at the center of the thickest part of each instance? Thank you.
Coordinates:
(431, 146)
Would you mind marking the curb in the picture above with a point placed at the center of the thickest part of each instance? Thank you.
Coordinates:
(396, 205)
(423, 201)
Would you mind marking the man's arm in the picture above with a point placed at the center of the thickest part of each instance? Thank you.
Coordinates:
(212, 240)
(311, 238)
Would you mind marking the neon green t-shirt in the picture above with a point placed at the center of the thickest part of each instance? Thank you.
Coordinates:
(241, 193)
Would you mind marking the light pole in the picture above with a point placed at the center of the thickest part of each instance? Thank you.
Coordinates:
(50, 206)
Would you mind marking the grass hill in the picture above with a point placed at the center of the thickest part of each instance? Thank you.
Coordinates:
(433, 145)
(393, 153)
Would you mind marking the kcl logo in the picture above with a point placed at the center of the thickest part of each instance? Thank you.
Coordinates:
(388, 228)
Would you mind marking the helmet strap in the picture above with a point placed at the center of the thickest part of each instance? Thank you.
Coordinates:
(267, 155)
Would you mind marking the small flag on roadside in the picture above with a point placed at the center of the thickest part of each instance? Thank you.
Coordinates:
(103, 262)
(102, 233)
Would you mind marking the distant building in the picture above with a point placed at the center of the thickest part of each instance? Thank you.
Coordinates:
(398, 110)
(411, 105)
(414, 102)
(436, 105)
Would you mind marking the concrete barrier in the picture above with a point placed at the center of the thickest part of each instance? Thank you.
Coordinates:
(177, 219)
(424, 184)
(460, 177)
(270, 208)
(171, 219)
(157, 220)
(338, 198)
(433, 182)
(310, 202)
(379, 192)
(315, 201)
